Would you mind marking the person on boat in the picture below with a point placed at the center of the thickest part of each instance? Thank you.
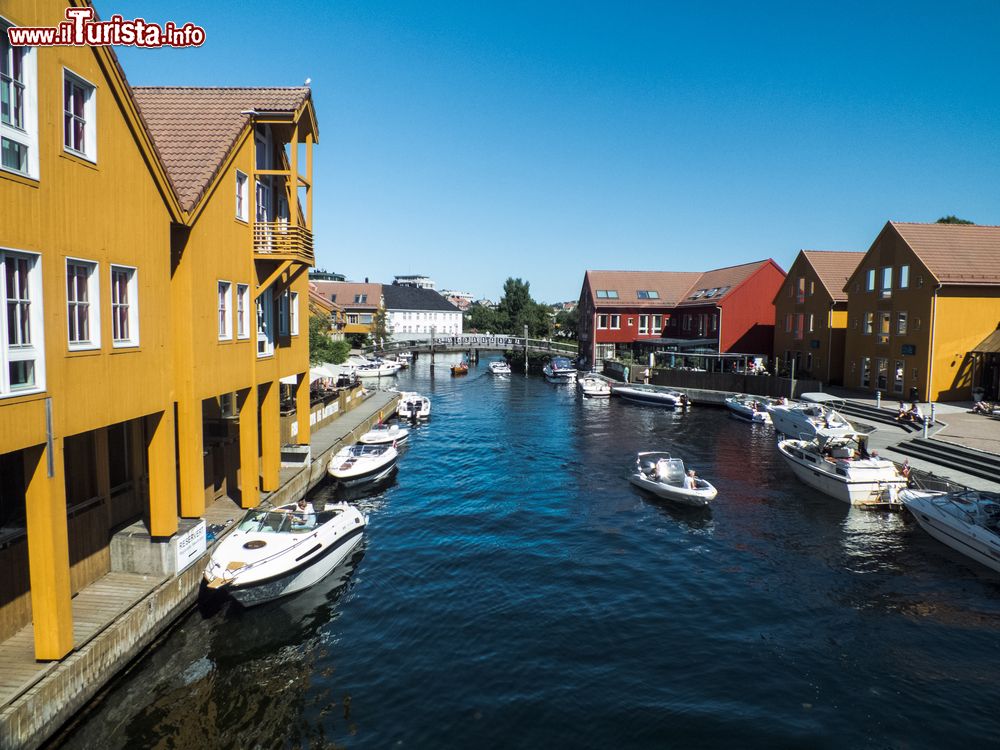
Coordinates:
(305, 515)
(690, 483)
(904, 471)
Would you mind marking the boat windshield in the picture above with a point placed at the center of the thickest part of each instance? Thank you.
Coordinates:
(284, 521)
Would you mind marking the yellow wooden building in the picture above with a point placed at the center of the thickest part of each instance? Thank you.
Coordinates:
(920, 301)
(811, 314)
(146, 305)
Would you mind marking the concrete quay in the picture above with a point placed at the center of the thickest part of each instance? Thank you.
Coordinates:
(121, 615)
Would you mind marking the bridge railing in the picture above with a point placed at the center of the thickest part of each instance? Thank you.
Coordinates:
(467, 341)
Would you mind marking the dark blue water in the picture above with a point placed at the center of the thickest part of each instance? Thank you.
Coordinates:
(515, 591)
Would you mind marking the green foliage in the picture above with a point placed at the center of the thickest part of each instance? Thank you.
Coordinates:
(517, 309)
(480, 319)
(357, 340)
(321, 347)
(568, 322)
(380, 328)
(952, 219)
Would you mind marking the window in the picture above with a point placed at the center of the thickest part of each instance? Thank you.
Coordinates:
(631, 322)
(607, 294)
(82, 304)
(715, 322)
(360, 299)
(904, 277)
(124, 307)
(265, 323)
(870, 280)
(812, 288)
(352, 318)
(242, 311)
(657, 324)
(800, 290)
(884, 324)
(812, 322)
(283, 313)
(788, 323)
(897, 383)
(647, 294)
(869, 323)
(799, 319)
(602, 321)
(293, 313)
(22, 350)
(700, 293)
(687, 322)
(333, 297)
(886, 282)
(643, 324)
(616, 322)
(79, 116)
(18, 107)
(882, 373)
(225, 310)
(901, 323)
(866, 372)
(242, 204)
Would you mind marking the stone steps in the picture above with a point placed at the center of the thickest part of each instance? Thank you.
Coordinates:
(959, 458)
(878, 416)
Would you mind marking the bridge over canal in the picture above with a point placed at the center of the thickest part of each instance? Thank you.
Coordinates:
(472, 343)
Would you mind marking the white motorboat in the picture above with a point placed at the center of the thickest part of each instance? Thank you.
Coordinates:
(559, 370)
(841, 468)
(500, 367)
(385, 434)
(413, 406)
(274, 552)
(380, 369)
(652, 395)
(405, 356)
(805, 420)
(968, 521)
(360, 464)
(594, 386)
(665, 477)
(750, 408)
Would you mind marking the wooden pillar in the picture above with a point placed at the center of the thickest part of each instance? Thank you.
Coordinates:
(191, 457)
(302, 409)
(270, 438)
(162, 465)
(48, 551)
(249, 463)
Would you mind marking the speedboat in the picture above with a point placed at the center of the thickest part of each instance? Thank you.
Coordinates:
(665, 477)
(274, 552)
(841, 468)
(808, 420)
(413, 406)
(405, 356)
(559, 370)
(461, 368)
(652, 395)
(968, 521)
(500, 367)
(360, 464)
(594, 386)
(750, 408)
(385, 434)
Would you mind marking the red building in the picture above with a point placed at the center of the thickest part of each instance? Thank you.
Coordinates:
(725, 310)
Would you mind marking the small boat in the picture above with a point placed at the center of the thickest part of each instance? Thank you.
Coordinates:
(462, 368)
(413, 406)
(559, 370)
(405, 356)
(968, 521)
(274, 552)
(380, 369)
(500, 367)
(652, 395)
(385, 434)
(809, 419)
(750, 408)
(841, 468)
(665, 477)
(594, 386)
(361, 464)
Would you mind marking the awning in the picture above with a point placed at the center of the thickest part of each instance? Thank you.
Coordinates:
(290, 380)
(990, 344)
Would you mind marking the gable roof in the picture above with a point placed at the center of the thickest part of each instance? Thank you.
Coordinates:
(347, 291)
(410, 298)
(723, 281)
(194, 129)
(955, 253)
(670, 285)
(833, 268)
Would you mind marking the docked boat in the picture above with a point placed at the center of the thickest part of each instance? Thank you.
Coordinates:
(665, 476)
(808, 420)
(361, 464)
(750, 408)
(385, 434)
(559, 370)
(380, 369)
(462, 368)
(500, 367)
(841, 468)
(593, 386)
(274, 552)
(967, 521)
(413, 407)
(652, 395)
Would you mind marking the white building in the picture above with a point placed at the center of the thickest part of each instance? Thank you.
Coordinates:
(413, 313)
(416, 281)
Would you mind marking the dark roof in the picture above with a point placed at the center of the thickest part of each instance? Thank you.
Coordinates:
(411, 298)
(991, 344)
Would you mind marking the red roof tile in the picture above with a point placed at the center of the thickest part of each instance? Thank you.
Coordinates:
(669, 285)
(955, 253)
(717, 283)
(833, 268)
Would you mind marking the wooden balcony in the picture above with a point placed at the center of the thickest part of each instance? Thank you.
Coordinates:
(279, 240)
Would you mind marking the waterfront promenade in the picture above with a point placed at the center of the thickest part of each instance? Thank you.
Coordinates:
(119, 616)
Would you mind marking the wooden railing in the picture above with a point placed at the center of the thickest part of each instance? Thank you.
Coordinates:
(279, 240)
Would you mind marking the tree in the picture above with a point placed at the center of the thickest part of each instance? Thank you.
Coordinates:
(517, 309)
(481, 318)
(321, 347)
(568, 322)
(357, 340)
(952, 219)
(380, 328)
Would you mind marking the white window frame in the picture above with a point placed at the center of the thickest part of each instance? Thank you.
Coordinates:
(93, 303)
(614, 322)
(35, 351)
(904, 276)
(283, 313)
(602, 322)
(643, 325)
(132, 312)
(242, 196)
(242, 311)
(293, 313)
(224, 304)
(657, 324)
(26, 136)
(89, 151)
(265, 323)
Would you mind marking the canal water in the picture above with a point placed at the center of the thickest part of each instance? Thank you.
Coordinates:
(514, 591)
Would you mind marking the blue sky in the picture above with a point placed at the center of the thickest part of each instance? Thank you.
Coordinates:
(476, 141)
